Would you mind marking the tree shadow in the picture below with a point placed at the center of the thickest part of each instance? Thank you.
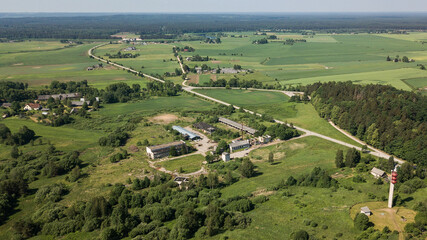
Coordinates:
(275, 163)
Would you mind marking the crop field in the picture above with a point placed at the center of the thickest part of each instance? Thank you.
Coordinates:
(245, 97)
(153, 59)
(334, 56)
(188, 164)
(39, 67)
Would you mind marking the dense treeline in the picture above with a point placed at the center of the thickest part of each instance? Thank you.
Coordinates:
(386, 118)
(167, 26)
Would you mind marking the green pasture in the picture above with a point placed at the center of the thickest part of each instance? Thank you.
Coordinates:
(30, 46)
(156, 105)
(245, 97)
(188, 164)
(411, 36)
(387, 77)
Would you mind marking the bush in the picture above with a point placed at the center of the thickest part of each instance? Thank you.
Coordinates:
(242, 205)
(300, 235)
(52, 193)
(361, 222)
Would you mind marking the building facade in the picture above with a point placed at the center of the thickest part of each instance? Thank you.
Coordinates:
(163, 150)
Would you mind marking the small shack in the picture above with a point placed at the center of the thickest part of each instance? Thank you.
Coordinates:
(378, 173)
(366, 211)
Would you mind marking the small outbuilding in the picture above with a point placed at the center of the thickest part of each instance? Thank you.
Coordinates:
(366, 211)
(225, 156)
(378, 173)
(236, 145)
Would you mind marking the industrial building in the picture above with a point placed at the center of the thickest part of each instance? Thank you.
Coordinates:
(163, 150)
(205, 127)
(61, 96)
(190, 135)
(237, 126)
(225, 156)
(236, 145)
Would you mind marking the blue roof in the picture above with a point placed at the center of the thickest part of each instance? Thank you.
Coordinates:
(183, 131)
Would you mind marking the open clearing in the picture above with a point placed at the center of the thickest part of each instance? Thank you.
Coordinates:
(164, 118)
(188, 164)
(245, 97)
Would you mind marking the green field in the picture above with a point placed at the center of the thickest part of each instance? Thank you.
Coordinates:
(188, 164)
(49, 63)
(245, 97)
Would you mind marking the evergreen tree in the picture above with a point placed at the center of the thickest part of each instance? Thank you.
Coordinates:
(14, 153)
(247, 169)
(339, 159)
(270, 157)
(352, 158)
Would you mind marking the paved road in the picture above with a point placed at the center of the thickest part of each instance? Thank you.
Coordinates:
(288, 93)
(189, 89)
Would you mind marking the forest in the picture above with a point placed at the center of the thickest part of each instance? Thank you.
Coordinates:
(167, 26)
(383, 116)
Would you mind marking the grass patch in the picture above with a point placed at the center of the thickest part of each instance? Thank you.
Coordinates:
(188, 164)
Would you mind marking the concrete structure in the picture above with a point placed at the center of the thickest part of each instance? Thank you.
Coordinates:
(163, 150)
(236, 125)
(391, 192)
(378, 173)
(264, 139)
(32, 106)
(186, 133)
(366, 211)
(58, 96)
(180, 180)
(205, 127)
(225, 156)
(236, 145)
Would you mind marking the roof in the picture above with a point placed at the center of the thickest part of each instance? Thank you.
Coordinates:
(79, 103)
(183, 131)
(377, 171)
(6, 105)
(34, 105)
(239, 143)
(225, 154)
(57, 96)
(365, 209)
(166, 145)
(237, 125)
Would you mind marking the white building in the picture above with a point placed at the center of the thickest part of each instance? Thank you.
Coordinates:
(236, 145)
(366, 211)
(378, 173)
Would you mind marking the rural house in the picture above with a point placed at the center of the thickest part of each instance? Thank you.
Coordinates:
(61, 96)
(365, 210)
(163, 150)
(79, 103)
(378, 173)
(6, 105)
(32, 106)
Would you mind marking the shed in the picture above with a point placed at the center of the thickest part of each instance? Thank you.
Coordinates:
(378, 173)
(366, 211)
(225, 156)
(186, 133)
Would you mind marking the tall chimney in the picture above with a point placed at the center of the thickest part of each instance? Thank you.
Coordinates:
(390, 194)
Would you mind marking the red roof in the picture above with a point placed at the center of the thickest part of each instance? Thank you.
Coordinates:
(34, 105)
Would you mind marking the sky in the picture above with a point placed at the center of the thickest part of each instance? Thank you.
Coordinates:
(204, 6)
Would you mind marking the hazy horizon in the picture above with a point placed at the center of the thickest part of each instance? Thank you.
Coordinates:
(220, 6)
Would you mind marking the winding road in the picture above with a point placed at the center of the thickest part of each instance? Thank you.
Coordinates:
(375, 152)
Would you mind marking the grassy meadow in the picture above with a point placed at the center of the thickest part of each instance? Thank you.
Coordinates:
(188, 164)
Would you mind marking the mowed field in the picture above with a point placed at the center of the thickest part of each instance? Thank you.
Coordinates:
(40, 62)
(245, 97)
(324, 57)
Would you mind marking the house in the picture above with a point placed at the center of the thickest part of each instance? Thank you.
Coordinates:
(236, 145)
(225, 156)
(205, 127)
(186, 133)
(366, 211)
(6, 105)
(32, 106)
(264, 139)
(163, 150)
(79, 103)
(378, 173)
(237, 126)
